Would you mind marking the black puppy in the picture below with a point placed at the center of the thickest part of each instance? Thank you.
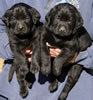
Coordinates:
(63, 29)
(21, 21)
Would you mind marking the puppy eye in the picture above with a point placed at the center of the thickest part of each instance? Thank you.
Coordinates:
(27, 19)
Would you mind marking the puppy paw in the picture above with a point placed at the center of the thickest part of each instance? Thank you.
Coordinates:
(34, 68)
(24, 92)
(23, 69)
(46, 70)
(53, 86)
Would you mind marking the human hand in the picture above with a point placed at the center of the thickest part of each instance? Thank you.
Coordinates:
(53, 50)
(28, 53)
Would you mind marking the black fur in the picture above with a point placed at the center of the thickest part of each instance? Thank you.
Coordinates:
(63, 29)
(21, 22)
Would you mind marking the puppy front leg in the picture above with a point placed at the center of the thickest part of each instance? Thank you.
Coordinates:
(34, 67)
(53, 86)
(60, 60)
(19, 60)
(21, 72)
(84, 39)
(73, 76)
(23, 91)
(20, 67)
(45, 58)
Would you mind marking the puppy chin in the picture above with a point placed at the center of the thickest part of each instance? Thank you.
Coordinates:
(22, 36)
(63, 34)
(23, 32)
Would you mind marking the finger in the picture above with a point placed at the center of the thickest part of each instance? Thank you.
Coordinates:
(48, 44)
(27, 51)
(58, 50)
(29, 59)
(30, 52)
(55, 50)
(54, 54)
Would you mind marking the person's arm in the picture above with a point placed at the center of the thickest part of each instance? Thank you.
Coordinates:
(84, 58)
(53, 52)
(5, 51)
(3, 8)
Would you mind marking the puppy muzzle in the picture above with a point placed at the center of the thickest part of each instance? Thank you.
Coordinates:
(21, 29)
(62, 29)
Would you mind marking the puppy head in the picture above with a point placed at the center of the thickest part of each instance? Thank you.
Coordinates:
(64, 19)
(20, 18)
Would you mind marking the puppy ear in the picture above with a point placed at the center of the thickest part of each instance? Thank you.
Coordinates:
(84, 39)
(49, 16)
(35, 15)
(79, 20)
(6, 16)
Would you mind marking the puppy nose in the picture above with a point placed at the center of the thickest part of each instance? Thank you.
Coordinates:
(20, 26)
(62, 29)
